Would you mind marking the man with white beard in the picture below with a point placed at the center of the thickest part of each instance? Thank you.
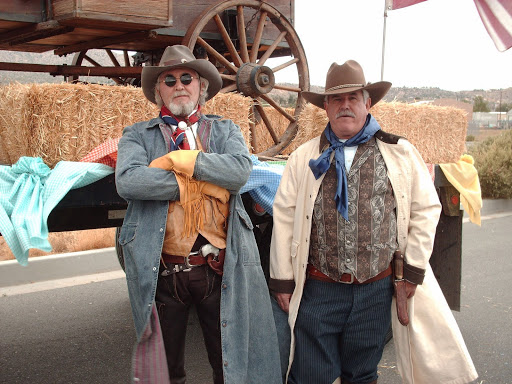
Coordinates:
(186, 237)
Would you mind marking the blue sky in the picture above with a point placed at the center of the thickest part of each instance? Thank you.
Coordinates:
(437, 43)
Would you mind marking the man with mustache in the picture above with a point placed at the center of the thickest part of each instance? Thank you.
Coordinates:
(349, 202)
(186, 238)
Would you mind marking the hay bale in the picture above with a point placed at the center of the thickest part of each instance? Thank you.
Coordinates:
(439, 133)
(14, 112)
(232, 106)
(279, 124)
(65, 121)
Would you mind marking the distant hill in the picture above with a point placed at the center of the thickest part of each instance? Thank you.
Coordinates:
(401, 94)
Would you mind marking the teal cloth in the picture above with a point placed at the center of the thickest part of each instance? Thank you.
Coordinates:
(29, 190)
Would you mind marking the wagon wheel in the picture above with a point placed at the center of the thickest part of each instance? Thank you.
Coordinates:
(97, 58)
(244, 57)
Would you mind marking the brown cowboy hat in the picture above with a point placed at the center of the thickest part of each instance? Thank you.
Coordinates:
(346, 78)
(180, 56)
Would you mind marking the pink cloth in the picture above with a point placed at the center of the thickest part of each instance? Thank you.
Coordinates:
(149, 363)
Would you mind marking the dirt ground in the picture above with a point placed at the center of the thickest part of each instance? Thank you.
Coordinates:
(64, 242)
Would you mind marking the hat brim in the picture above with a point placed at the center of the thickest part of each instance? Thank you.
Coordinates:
(203, 67)
(376, 90)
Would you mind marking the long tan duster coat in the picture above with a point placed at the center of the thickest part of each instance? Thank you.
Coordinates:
(430, 349)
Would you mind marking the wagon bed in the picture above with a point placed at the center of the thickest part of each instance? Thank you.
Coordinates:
(238, 36)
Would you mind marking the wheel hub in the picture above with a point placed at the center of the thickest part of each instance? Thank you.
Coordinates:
(254, 80)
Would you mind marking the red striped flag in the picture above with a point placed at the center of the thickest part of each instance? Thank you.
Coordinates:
(497, 18)
(396, 4)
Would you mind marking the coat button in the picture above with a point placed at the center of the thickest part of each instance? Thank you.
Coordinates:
(154, 268)
(224, 323)
(224, 286)
(225, 363)
(161, 229)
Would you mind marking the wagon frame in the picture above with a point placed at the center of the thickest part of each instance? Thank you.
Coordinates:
(236, 36)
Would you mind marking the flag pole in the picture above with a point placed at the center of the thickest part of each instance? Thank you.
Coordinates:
(383, 40)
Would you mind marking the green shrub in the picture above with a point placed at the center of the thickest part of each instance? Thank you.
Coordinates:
(470, 138)
(493, 160)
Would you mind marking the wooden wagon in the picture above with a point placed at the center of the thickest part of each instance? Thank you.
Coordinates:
(241, 37)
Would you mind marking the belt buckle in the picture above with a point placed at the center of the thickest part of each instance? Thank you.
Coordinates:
(189, 266)
(351, 279)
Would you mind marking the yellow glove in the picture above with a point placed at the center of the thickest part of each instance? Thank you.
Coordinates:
(182, 161)
(214, 191)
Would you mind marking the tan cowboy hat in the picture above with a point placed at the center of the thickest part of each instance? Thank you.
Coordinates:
(346, 78)
(180, 56)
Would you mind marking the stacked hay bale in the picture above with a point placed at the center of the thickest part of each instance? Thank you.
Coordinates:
(439, 133)
(65, 121)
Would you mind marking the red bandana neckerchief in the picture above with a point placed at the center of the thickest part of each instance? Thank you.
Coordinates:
(179, 138)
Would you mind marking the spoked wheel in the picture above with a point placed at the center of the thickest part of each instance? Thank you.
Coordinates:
(240, 37)
(105, 58)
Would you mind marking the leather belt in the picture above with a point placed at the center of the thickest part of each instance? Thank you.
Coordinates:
(346, 278)
(194, 259)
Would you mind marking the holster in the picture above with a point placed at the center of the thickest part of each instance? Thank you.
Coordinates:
(400, 291)
(217, 262)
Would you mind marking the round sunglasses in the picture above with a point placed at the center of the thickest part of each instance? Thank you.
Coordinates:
(171, 81)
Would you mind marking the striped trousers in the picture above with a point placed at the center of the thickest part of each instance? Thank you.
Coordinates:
(340, 331)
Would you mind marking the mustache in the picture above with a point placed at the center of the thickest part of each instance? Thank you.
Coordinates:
(180, 93)
(345, 112)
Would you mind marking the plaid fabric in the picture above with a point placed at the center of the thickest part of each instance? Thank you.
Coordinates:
(105, 153)
(29, 190)
(149, 362)
(263, 182)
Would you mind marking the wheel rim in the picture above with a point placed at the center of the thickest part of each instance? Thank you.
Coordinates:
(93, 57)
(244, 60)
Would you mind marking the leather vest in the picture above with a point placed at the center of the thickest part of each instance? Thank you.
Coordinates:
(214, 228)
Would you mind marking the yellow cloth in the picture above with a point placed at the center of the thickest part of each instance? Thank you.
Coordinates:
(464, 177)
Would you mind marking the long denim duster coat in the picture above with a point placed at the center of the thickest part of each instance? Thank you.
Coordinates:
(249, 341)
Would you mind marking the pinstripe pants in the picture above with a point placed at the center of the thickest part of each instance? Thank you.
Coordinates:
(340, 331)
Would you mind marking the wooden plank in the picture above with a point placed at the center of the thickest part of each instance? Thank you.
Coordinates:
(446, 259)
(119, 15)
(68, 70)
(34, 32)
(101, 43)
(22, 10)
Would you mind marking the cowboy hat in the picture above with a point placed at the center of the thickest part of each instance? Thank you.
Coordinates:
(180, 56)
(346, 78)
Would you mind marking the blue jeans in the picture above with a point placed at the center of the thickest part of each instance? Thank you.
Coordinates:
(340, 331)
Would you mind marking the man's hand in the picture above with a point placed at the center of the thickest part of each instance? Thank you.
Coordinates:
(283, 299)
(410, 289)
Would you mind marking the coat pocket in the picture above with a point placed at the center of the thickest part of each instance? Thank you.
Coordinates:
(248, 246)
(294, 249)
(127, 233)
(126, 242)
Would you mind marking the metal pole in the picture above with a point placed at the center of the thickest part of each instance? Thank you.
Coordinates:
(499, 124)
(383, 41)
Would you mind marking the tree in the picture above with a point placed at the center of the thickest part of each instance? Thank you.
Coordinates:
(504, 107)
(480, 105)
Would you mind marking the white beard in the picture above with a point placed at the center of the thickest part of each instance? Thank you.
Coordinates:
(181, 109)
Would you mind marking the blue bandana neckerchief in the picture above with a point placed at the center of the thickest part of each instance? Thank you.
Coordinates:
(321, 165)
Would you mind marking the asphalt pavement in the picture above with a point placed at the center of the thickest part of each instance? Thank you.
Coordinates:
(67, 318)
